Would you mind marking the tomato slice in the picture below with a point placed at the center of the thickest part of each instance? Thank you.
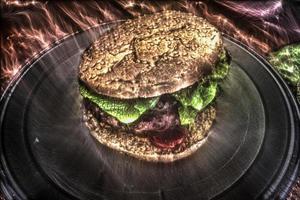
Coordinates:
(171, 139)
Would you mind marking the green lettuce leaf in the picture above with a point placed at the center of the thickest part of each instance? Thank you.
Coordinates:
(222, 68)
(126, 111)
(199, 97)
(194, 100)
(287, 62)
(187, 115)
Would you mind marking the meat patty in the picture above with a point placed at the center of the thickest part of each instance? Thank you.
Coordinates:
(161, 124)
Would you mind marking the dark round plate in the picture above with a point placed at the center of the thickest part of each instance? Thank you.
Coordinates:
(47, 152)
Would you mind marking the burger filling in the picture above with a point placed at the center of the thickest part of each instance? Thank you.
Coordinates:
(165, 120)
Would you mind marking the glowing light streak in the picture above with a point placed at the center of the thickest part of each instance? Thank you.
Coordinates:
(36, 30)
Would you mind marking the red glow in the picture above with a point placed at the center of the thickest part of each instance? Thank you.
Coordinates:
(33, 25)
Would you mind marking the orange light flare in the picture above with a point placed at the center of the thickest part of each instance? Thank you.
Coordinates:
(24, 40)
(275, 20)
(198, 8)
(12, 69)
(20, 3)
(33, 26)
(229, 27)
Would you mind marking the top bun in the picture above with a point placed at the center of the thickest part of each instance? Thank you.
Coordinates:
(151, 55)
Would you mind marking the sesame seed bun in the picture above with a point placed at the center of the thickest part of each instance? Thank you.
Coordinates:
(151, 55)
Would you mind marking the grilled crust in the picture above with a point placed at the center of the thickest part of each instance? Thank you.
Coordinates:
(141, 147)
(151, 55)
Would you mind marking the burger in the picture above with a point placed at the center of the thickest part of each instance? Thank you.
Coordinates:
(149, 85)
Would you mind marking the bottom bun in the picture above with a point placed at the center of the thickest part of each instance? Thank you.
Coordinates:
(141, 147)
